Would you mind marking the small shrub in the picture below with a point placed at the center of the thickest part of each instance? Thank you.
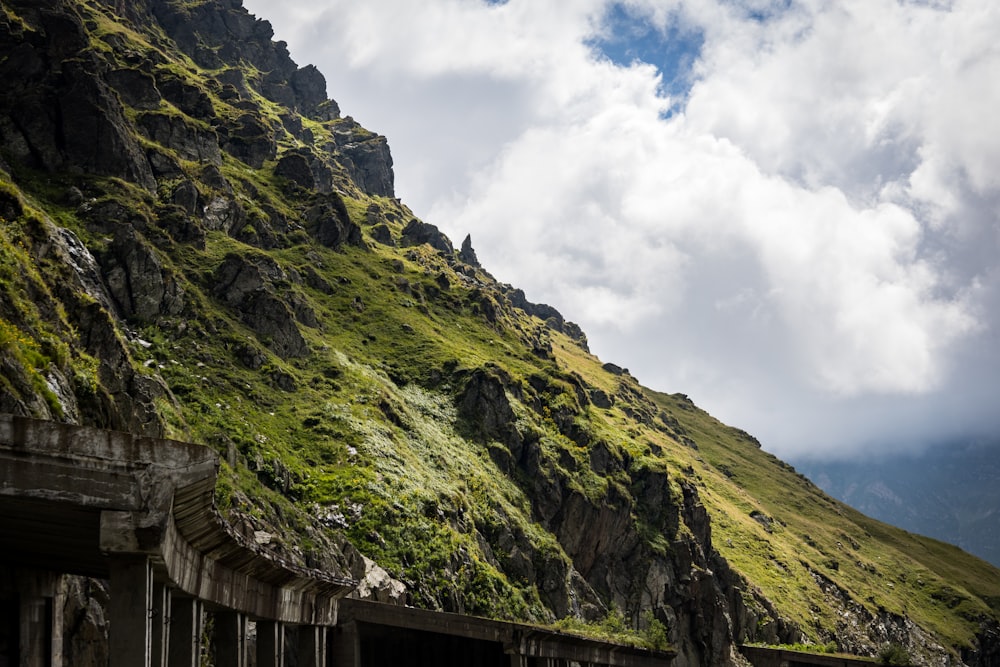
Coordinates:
(655, 634)
(894, 654)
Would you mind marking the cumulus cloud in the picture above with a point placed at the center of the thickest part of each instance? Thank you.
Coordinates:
(802, 236)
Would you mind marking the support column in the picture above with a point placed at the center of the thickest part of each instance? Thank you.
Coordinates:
(270, 644)
(40, 633)
(186, 627)
(130, 611)
(311, 650)
(346, 651)
(230, 639)
(161, 624)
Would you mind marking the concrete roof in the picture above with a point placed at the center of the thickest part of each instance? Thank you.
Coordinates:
(72, 497)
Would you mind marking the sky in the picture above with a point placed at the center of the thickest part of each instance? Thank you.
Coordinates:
(787, 210)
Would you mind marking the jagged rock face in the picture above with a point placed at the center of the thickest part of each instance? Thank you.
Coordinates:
(610, 560)
(418, 232)
(137, 280)
(57, 112)
(250, 286)
(370, 165)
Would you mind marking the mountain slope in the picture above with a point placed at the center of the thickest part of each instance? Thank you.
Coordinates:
(195, 243)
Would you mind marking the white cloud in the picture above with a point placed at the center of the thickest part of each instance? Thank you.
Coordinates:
(807, 246)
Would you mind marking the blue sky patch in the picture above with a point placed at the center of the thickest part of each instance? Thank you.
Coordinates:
(630, 36)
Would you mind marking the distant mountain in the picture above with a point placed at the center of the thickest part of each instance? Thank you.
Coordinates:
(950, 493)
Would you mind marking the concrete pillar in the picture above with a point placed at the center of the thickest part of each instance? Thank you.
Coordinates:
(161, 625)
(186, 627)
(42, 599)
(270, 644)
(346, 645)
(130, 611)
(311, 650)
(230, 639)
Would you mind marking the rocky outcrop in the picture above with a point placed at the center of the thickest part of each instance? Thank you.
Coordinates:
(552, 317)
(417, 232)
(249, 286)
(689, 587)
(331, 224)
(369, 164)
(136, 279)
(249, 139)
(57, 113)
(365, 157)
(467, 254)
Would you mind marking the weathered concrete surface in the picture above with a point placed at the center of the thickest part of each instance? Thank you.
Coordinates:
(74, 498)
(377, 626)
(770, 657)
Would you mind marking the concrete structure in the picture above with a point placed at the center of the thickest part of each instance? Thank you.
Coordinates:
(139, 514)
(760, 656)
(369, 634)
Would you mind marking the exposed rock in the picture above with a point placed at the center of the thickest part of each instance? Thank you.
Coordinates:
(295, 167)
(188, 98)
(376, 585)
(65, 116)
(382, 234)
(189, 140)
(246, 284)
(309, 86)
(136, 279)
(223, 214)
(614, 369)
(85, 622)
(417, 232)
(485, 407)
(369, 164)
(185, 195)
(331, 224)
(601, 399)
(136, 88)
(251, 140)
(467, 254)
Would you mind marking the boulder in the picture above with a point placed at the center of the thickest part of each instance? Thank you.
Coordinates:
(295, 167)
(330, 223)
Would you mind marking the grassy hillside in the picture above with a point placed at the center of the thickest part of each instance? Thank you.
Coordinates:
(234, 270)
(816, 556)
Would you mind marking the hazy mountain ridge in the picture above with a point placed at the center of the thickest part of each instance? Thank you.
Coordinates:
(949, 493)
(196, 244)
